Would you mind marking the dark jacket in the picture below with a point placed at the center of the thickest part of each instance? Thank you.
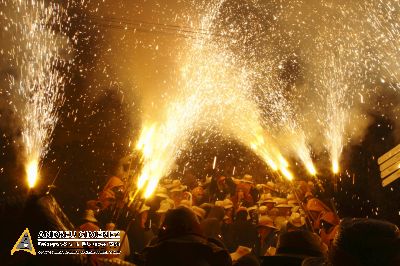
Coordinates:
(184, 250)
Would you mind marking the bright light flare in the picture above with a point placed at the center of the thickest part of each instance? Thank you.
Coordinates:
(32, 172)
(335, 166)
(311, 168)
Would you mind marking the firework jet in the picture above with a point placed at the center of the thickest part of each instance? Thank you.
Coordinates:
(39, 81)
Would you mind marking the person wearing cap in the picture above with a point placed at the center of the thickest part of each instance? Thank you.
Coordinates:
(267, 234)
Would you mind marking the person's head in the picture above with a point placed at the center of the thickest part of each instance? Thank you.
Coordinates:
(180, 221)
(300, 243)
(265, 226)
(242, 214)
(366, 242)
(110, 226)
(217, 212)
(240, 194)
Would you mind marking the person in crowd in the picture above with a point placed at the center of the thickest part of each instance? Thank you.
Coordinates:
(181, 242)
(244, 233)
(139, 232)
(366, 242)
(294, 247)
(123, 248)
(221, 187)
(267, 235)
(90, 224)
(212, 225)
(329, 224)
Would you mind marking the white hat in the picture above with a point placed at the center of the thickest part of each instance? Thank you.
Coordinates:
(262, 209)
(165, 205)
(219, 203)
(297, 220)
(161, 192)
(89, 216)
(265, 221)
(240, 252)
(252, 208)
(185, 203)
(247, 179)
(177, 186)
(227, 204)
(199, 211)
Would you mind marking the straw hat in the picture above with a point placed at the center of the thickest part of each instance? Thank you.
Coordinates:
(280, 201)
(199, 211)
(176, 186)
(165, 205)
(297, 220)
(252, 208)
(262, 210)
(291, 197)
(161, 192)
(279, 221)
(219, 203)
(270, 185)
(89, 216)
(265, 221)
(247, 179)
(185, 203)
(240, 252)
(227, 204)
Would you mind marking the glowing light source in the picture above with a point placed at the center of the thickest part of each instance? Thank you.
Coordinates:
(32, 172)
(311, 169)
(335, 166)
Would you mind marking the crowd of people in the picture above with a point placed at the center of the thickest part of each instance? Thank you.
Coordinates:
(235, 221)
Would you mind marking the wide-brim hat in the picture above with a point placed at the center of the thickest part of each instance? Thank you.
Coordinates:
(177, 186)
(228, 204)
(265, 221)
(297, 220)
(165, 205)
(89, 216)
(240, 252)
(199, 212)
(247, 179)
(161, 192)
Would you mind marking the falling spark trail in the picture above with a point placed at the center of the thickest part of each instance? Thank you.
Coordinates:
(39, 84)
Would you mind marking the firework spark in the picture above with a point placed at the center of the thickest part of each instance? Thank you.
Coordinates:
(36, 55)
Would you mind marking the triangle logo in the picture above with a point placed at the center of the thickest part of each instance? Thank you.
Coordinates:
(24, 243)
